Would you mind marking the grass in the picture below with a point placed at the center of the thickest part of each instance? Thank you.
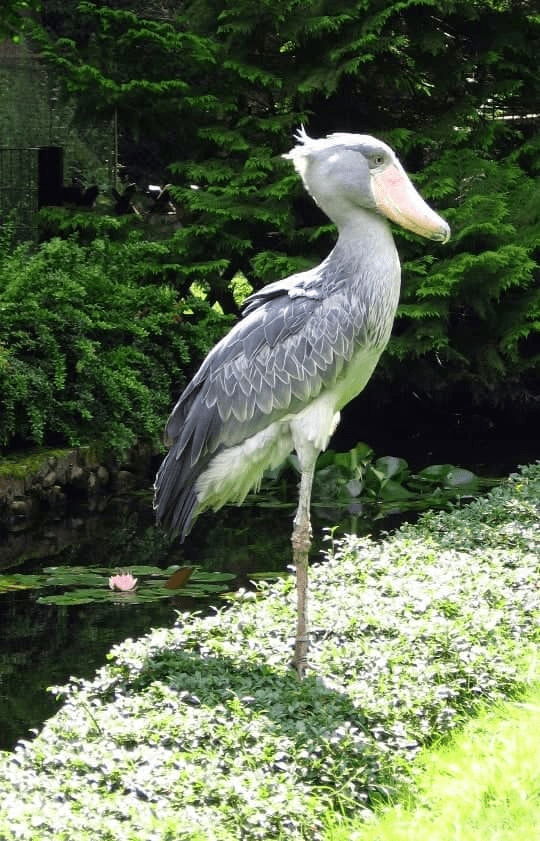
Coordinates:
(202, 731)
(482, 786)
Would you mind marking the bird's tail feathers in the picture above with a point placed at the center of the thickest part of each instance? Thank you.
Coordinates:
(175, 499)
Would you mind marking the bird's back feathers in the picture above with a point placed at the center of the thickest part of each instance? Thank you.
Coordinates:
(295, 339)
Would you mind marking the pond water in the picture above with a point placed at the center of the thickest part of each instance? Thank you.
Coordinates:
(44, 644)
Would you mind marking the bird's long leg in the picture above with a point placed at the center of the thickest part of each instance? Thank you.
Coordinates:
(301, 543)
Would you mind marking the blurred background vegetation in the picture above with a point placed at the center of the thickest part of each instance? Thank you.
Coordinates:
(171, 118)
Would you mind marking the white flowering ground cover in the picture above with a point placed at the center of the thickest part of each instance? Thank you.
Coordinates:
(202, 732)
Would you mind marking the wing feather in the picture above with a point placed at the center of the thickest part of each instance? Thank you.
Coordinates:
(282, 354)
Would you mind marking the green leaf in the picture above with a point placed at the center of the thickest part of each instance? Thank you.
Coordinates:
(68, 577)
(458, 476)
(74, 597)
(435, 473)
(391, 490)
(201, 576)
(390, 466)
(18, 581)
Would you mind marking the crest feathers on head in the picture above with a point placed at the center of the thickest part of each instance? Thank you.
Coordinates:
(302, 137)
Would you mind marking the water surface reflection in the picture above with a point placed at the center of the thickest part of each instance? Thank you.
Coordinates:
(43, 645)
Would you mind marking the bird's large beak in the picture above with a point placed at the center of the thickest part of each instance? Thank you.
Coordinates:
(398, 199)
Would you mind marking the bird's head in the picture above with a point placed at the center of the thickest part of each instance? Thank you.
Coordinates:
(347, 171)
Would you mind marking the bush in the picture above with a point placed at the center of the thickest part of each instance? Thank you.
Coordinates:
(92, 343)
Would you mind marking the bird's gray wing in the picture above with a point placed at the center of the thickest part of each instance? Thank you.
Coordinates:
(297, 285)
(272, 363)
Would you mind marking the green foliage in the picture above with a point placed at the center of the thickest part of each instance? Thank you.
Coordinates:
(93, 343)
(201, 730)
(474, 311)
(91, 584)
(211, 94)
(359, 484)
(84, 226)
(12, 17)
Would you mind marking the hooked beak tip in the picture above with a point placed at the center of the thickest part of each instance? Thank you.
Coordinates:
(443, 235)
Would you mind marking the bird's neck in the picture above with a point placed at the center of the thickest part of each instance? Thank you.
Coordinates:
(365, 264)
(365, 230)
(365, 249)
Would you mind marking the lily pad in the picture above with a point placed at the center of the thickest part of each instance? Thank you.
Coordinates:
(201, 576)
(83, 585)
(18, 581)
(146, 570)
(201, 587)
(72, 597)
(68, 578)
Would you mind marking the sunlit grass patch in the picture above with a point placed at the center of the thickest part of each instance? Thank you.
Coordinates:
(483, 786)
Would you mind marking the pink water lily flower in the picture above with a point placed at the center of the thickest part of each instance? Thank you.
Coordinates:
(123, 581)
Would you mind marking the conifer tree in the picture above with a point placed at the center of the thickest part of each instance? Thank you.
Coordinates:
(12, 17)
(214, 90)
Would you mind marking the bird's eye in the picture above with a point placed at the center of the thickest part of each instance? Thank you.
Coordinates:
(377, 160)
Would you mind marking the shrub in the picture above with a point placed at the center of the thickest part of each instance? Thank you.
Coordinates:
(92, 343)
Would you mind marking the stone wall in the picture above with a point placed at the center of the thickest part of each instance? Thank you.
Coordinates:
(45, 480)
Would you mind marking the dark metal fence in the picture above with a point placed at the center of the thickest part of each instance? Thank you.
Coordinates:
(19, 190)
(43, 145)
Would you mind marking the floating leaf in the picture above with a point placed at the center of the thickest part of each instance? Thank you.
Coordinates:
(73, 597)
(179, 578)
(193, 592)
(459, 476)
(435, 473)
(390, 466)
(18, 581)
(202, 587)
(68, 578)
(146, 570)
(212, 577)
(142, 596)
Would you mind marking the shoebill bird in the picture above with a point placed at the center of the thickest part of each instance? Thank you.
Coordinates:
(305, 347)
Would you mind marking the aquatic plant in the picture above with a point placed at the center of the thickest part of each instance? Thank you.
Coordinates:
(359, 483)
(73, 585)
(122, 581)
